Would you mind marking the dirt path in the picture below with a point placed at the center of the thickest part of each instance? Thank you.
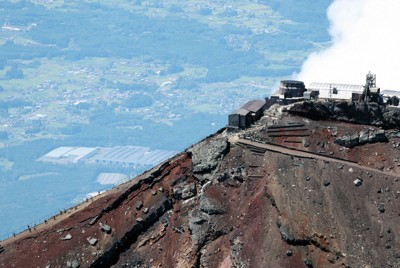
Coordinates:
(303, 154)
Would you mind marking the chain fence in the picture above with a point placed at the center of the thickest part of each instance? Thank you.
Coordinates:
(51, 216)
(55, 214)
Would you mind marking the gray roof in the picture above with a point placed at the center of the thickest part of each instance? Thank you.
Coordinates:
(70, 152)
(133, 154)
(241, 112)
(253, 105)
(341, 87)
(344, 91)
(293, 82)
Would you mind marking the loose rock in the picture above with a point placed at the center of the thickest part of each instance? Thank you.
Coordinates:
(92, 241)
(105, 228)
(308, 263)
(75, 264)
(184, 191)
(362, 138)
(205, 154)
(381, 208)
(357, 182)
(139, 205)
(67, 237)
(211, 206)
(94, 220)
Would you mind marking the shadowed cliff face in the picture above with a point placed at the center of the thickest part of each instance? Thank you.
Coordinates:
(355, 112)
(281, 194)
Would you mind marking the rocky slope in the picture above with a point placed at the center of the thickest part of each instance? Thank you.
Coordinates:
(284, 193)
(355, 112)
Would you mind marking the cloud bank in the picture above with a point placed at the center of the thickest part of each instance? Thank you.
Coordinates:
(365, 37)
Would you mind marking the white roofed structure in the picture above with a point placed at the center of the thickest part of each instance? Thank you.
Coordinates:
(336, 91)
(120, 155)
(68, 154)
(131, 155)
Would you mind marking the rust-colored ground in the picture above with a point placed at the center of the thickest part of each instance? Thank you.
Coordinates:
(257, 209)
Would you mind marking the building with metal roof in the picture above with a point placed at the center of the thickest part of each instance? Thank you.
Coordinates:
(291, 88)
(131, 156)
(254, 105)
(336, 91)
(66, 155)
(118, 155)
(247, 114)
(241, 118)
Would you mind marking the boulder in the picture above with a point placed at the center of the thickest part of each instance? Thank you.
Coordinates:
(381, 208)
(67, 237)
(94, 220)
(92, 241)
(139, 205)
(73, 264)
(364, 137)
(355, 112)
(357, 182)
(211, 206)
(205, 155)
(184, 191)
(105, 228)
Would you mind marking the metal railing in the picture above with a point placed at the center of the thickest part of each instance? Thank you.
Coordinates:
(51, 216)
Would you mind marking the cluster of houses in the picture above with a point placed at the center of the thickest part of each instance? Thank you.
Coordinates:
(291, 91)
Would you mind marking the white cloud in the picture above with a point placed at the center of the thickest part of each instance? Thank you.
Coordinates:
(365, 37)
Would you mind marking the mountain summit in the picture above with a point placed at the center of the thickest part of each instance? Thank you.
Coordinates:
(311, 184)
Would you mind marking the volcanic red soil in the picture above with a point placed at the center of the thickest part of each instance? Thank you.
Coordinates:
(280, 194)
